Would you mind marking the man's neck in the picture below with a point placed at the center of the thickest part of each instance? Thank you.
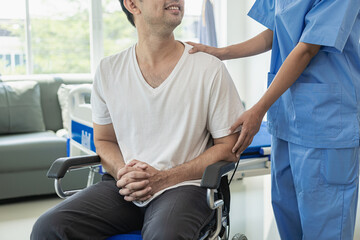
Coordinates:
(154, 50)
(157, 56)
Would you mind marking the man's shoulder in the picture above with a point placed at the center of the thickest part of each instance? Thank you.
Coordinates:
(117, 58)
(204, 59)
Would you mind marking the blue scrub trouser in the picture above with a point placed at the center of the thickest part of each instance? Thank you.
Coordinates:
(314, 191)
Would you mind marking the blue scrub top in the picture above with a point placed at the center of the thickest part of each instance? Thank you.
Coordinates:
(322, 108)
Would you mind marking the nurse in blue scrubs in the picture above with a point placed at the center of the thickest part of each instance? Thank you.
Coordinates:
(313, 105)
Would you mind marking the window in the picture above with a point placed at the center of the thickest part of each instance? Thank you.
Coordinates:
(117, 31)
(188, 30)
(58, 40)
(12, 36)
(60, 36)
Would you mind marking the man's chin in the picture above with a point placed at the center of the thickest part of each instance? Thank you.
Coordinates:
(175, 24)
(175, 20)
(169, 26)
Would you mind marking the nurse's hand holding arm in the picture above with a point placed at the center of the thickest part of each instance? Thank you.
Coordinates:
(290, 71)
(256, 45)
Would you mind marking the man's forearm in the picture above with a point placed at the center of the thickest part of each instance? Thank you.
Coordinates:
(158, 180)
(195, 168)
(111, 157)
(259, 44)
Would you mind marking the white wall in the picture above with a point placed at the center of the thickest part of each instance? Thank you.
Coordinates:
(234, 26)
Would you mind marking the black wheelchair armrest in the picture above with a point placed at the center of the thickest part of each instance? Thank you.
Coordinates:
(61, 165)
(211, 180)
(213, 173)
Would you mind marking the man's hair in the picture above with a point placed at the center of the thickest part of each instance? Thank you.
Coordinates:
(129, 15)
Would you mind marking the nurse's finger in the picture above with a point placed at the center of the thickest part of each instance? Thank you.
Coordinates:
(239, 142)
(191, 43)
(243, 147)
(238, 153)
(239, 122)
(198, 47)
(194, 49)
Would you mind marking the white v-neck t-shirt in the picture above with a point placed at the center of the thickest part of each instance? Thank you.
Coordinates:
(173, 123)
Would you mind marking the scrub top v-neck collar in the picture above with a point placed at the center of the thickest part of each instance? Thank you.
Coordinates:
(168, 80)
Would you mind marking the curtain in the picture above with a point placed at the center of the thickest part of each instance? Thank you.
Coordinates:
(207, 30)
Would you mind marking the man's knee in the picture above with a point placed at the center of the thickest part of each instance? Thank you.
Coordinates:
(48, 226)
(164, 228)
(165, 233)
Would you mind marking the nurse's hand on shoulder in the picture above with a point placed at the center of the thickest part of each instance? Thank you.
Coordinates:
(250, 122)
(198, 47)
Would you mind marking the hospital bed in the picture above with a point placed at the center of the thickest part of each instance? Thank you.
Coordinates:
(254, 161)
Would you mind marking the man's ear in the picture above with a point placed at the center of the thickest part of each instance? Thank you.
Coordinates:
(131, 6)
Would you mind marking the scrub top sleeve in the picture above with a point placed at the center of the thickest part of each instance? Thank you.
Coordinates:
(263, 11)
(100, 112)
(329, 23)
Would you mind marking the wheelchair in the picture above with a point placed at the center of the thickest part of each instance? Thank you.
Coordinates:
(214, 179)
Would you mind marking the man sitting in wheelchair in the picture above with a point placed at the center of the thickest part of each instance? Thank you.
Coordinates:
(160, 117)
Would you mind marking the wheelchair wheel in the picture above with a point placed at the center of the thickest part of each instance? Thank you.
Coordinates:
(239, 236)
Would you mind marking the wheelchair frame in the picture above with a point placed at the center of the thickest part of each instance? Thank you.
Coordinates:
(211, 180)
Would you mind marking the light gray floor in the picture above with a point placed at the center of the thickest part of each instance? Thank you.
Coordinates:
(17, 219)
